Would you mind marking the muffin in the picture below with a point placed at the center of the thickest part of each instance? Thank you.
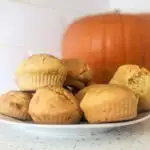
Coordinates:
(109, 105)
(54, 105)
(80, 94)
(15, 104)
(40, 70)
(138, 80)
(79, 73)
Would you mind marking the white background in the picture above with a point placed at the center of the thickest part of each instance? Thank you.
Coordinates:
(33, 26)
(130, 5)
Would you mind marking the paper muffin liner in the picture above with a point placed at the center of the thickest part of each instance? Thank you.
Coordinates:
(112, 112)
(33, 81)
(64, 118)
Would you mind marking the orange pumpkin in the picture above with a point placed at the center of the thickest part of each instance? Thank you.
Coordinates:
(107, 41)
(145, 20)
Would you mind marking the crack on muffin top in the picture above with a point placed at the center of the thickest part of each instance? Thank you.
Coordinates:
(63, 93)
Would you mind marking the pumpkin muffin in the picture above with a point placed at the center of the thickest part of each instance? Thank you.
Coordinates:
(138, 80)
(79, 95)
(54, 105)
(109, 105)
(40, 70)
(79, 73)
(15, 104)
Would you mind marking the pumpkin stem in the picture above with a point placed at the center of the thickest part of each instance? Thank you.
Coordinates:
(117, 11)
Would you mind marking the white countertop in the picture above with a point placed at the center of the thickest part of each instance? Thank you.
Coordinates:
(135, 137)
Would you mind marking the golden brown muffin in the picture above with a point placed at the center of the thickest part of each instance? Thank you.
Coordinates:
(79, 95)
(54, 105)
(78, 69)
(79, 73)
(110, 105)
(40, 70)
(138, 80)
(15, 104)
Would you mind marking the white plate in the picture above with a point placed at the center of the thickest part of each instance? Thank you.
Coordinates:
(83, 129)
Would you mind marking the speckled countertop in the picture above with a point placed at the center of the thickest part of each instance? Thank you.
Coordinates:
(135, 137)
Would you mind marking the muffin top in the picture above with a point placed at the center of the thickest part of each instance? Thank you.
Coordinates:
(40, 63)
(16, 99)
(111, 95)
(20, 95)
(124, 73)
(94, 88)
(78, 69)
(133, 77)
(56, 95)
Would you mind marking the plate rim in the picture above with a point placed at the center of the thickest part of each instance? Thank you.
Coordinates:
(75, 126)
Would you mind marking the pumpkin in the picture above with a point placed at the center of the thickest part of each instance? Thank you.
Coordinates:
(107, 41)
(145, 20)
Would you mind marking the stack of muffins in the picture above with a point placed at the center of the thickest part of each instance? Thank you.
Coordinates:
(54, 91)
(42, 80)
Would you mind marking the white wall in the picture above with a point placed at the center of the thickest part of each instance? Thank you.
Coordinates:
(85, 6)
(130, 5)
(70, 9)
